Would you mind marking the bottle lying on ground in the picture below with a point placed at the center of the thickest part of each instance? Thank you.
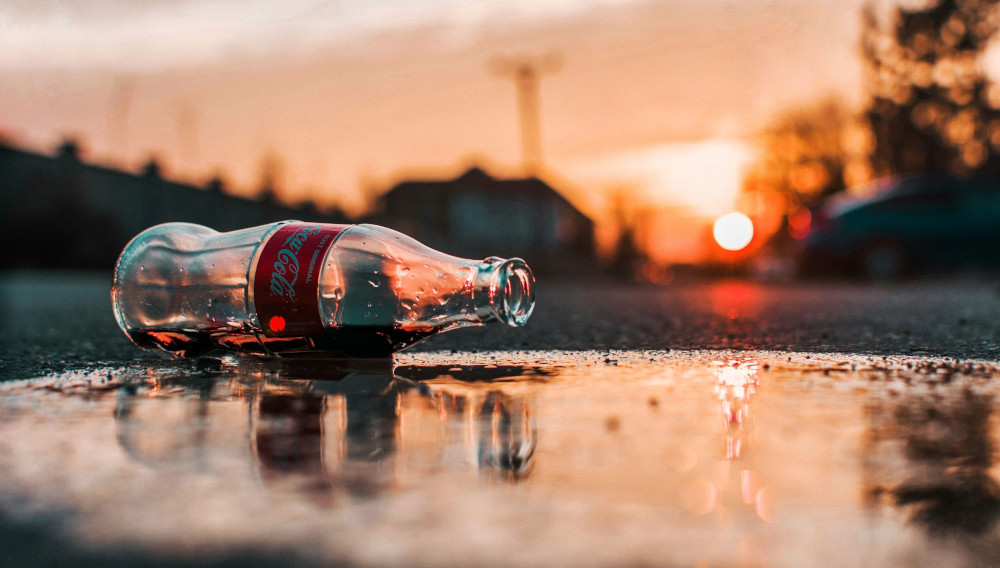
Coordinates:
(293, 288)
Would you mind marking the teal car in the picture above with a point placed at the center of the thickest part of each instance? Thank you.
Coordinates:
(913, 225)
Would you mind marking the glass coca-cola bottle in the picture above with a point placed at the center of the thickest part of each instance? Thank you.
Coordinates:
(294, 288)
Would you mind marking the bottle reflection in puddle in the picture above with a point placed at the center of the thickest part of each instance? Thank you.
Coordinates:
(287, 438)
(500, 435)
(325, 430)
(165, 426)
(344, 435)
(506, 438)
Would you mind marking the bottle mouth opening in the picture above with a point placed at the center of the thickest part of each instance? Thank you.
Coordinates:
(513, 292)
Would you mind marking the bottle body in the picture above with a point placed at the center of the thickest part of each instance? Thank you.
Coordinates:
(296, 288)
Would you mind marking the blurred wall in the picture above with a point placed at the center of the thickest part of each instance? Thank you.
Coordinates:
(60, 212)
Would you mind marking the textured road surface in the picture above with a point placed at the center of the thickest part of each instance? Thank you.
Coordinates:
(52, 322)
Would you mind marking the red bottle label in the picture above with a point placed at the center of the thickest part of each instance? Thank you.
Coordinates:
(286, 281)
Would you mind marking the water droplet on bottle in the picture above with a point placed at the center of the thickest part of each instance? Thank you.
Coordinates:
(373, 283)
(404, 271)
(141, 268)
(181, 269)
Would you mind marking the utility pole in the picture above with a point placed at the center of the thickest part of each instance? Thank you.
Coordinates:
(118, 118)
(526, 73)
(187, 134)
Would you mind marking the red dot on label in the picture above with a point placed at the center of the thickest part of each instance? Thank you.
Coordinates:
(277, 323)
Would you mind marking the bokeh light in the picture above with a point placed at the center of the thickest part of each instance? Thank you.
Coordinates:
(733, 231)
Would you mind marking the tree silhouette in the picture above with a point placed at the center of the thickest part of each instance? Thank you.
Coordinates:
(272, 177)
(931, 107)
(807, 153)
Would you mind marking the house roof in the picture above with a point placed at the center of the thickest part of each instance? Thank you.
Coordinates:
(476, 179)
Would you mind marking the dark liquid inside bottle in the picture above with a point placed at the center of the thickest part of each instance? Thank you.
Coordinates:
(349, 342)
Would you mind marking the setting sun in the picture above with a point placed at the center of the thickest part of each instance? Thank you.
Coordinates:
(733, 231)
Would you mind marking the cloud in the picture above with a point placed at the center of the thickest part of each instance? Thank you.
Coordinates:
(137, 34)
(35, 12)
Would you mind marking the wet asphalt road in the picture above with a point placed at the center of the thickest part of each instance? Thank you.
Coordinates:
(52, 322)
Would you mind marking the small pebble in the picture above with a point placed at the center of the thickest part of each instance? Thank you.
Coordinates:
(612, 423)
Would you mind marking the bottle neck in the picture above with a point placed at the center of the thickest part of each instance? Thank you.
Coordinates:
(504, 291)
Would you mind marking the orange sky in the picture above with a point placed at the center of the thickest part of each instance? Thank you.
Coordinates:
(657, 96)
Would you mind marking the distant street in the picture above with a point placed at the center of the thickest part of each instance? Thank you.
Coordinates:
(64, 320)
(959, 319)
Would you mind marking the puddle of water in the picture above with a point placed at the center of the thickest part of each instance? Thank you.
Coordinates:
(519, 459)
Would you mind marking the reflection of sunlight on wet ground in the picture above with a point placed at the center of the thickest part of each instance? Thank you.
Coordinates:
(736, 299)
(737, 385)
(538, 458)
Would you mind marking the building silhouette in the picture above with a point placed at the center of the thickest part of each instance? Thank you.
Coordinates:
(477, 215)
(61, 212)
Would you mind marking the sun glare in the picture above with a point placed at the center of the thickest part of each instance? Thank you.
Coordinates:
(704, 177)
(733, 231)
